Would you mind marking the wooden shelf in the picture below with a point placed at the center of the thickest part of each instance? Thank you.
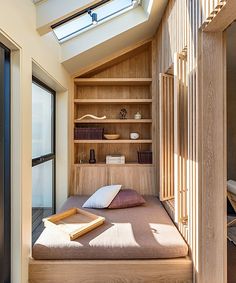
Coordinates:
(114, 121)
(113, 141)
(102, 164)
(113, 81)
(113, 101)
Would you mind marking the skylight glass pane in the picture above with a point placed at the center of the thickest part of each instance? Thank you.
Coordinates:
(73, 26)
(84, 22)
(111, 8)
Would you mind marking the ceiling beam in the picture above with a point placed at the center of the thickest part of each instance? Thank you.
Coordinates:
(52, 11)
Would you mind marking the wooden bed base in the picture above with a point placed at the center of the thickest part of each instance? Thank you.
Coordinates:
(102, 271)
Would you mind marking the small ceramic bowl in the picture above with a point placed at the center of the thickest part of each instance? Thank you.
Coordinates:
(111, 136)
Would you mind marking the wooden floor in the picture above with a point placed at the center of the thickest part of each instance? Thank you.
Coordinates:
(38, 213)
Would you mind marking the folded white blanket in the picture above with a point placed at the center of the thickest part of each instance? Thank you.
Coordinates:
(231, 186)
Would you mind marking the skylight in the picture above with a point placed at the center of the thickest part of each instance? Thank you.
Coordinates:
(89, 18)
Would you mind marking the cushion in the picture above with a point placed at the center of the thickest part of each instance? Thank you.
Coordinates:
(231, 186)
(127, 198)
(102, 197)
(141, 232)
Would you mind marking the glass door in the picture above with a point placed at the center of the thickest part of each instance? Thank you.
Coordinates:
(5, 166)
(43, 155)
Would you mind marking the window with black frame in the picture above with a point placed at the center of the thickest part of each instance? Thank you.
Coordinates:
(43, 155)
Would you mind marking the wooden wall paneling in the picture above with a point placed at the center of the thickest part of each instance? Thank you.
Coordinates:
(87, 179)
(136, 66)
(140, 178)
(113, 59)
(212, 158)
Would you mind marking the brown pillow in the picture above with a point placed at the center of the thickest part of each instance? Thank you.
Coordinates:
(127, 198)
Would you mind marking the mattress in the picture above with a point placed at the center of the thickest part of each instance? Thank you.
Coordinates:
(144, 232)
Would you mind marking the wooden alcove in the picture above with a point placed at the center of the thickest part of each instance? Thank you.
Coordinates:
(129, 81)
(123, 82)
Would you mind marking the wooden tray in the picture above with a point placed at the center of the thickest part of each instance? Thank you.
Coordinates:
(75, 222)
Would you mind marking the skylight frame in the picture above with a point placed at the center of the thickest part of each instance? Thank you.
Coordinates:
(133, 4)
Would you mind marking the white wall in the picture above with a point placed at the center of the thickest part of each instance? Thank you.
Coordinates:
(18, 31)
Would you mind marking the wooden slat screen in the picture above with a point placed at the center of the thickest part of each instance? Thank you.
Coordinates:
(178, 29)
(209, 9)
(181, 138)
(166, 84)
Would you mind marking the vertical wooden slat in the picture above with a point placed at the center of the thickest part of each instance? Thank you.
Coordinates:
(172, 136)
(181, 138)
(161, 108)
(166, 136)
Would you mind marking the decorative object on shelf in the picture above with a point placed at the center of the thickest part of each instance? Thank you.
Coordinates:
(82, 157)
(115, 159)
(111, 136)
(92, 159)
(123, 113)
(88, 133)
(137, 116)
(134, 136)
(145, 157)
(91, 116)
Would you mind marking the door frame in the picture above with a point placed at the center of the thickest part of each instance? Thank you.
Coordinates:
(5, 165)
(212, 145)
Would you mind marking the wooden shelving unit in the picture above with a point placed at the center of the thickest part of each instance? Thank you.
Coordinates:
(124, 84)
(113, 141)
(106, 97)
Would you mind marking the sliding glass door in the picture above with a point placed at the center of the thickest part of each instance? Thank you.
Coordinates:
(43, 155)
(5, 169)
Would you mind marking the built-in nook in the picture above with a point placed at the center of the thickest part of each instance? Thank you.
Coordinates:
(123, 83)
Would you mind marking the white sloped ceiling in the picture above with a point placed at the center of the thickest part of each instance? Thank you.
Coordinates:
(103, 40)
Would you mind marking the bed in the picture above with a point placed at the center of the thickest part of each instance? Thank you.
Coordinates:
(132, 241)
